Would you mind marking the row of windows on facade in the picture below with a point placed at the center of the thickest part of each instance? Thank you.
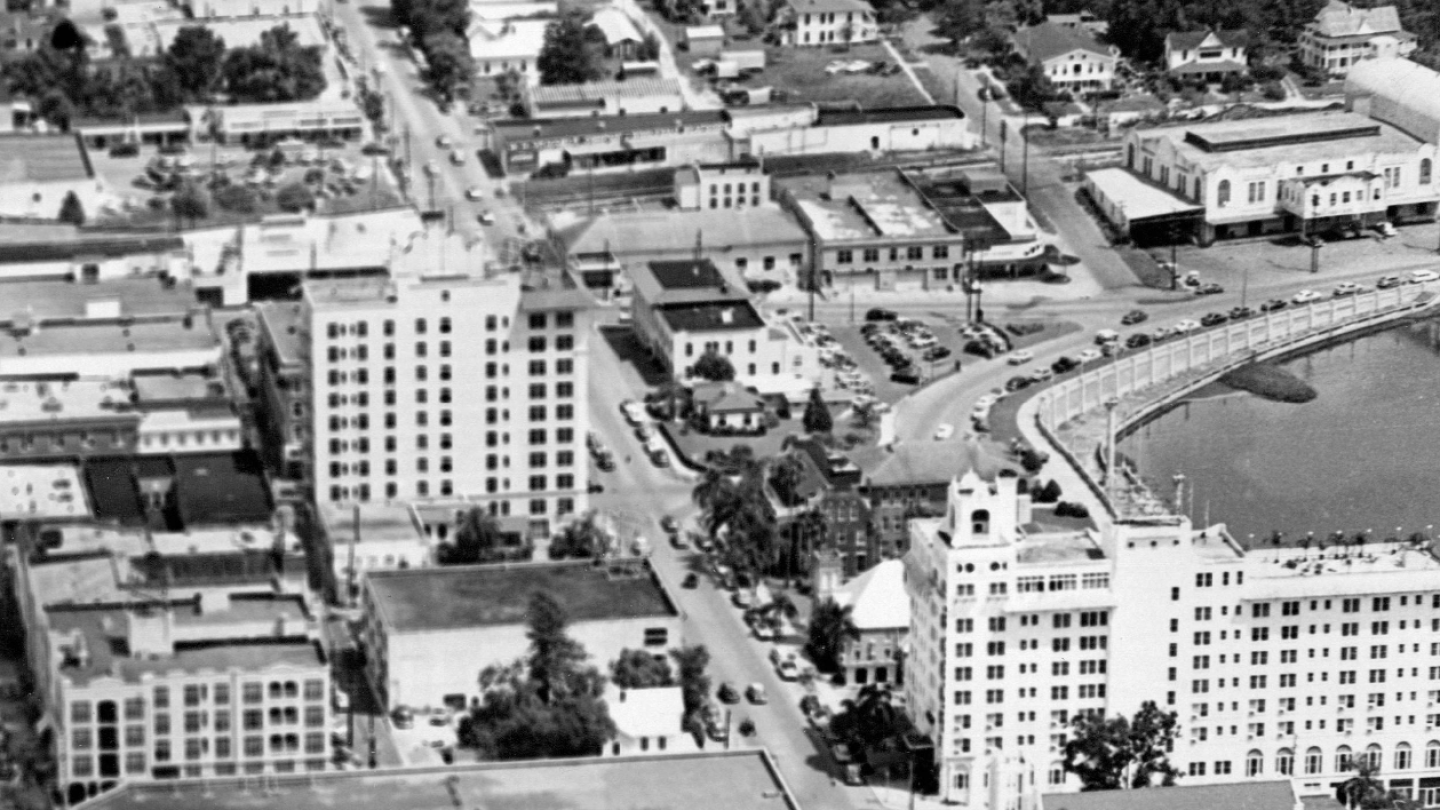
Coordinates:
(363, 493)
(1056, 582)
(1286, 728)
(537, 344)
(537, 459)
(108, 711)
(445, 373)
(1084, 691)
(202, 748)
(912, 253)
(965, 649)
(1060, 621)
(1058, 669)
(135, 764)
(1290, 679)
(444, 396)
(1262, 657)
(108, 737)
(537, 320)
(1345, 760)
(1292, 631)
(30, 441)
(736, 202)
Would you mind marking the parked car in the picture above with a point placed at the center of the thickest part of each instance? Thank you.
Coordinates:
(755, 693)
(788, 670)
(1209, 289)
(444, 141)
(474, 193)
(1020, 358)
(906, 376)
(670, 524)
(1133, 317)
(1213, 319)
(485, 218)
(727, 694)
(1385, 229)
(1089, 356)
(1386, 282)
(1423, 276)
(1274, 305)
(1064, 364)
(1306, 297)
(1017, 383)
(936, 353)
(1139, 340)
(403, 717)
(944, 431)
(1241, 313)
(881, 314)
(1186, 325)
(1345, 288)
(1041, 375)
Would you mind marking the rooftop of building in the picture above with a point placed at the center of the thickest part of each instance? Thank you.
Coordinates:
(1277, 794)
(301, 244)
(1412, 87)
(110, 338)
(1290, 139)
(221, 488)
(687, 281)
(1190, 40)
(63, 400)
(1339, 19)
(918, 463)
(888, 115)
(241, 32)
(37, 492)
(284, 325)
(725, 397)
(615, 25)
(83, 246)
(711, 317)
(1143, 199)
(551, 289)
(731, 780)
(1052, 548)
(877, 598)
(377, 523)
(179, 386)
(895, 205)
(827, 6)
(487, 595)
(660, 232)
(438, 252)
(1048, 40)
(494, 38)
(105, 631)
(596, 94)
(651, 712)
(522, 131)
(58, 158)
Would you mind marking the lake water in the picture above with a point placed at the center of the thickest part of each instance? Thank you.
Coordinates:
(1364, 454)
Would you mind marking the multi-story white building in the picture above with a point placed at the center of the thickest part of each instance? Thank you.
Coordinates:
(829, 22)
(1209, 55)
(450, 386)
(1071, 58)
(1342, 36)
(1292, 662)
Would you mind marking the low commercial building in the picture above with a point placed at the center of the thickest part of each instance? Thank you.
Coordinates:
(429, 632)
(889, 228)
(507, 46)
(828, 22)
(203, 9)
(611, 144)
(107, 349)
(708, 40)
(1071, 58)
(1342, 36)
(684, 309)
(742, 779)
(1305, 173)
(879, 129)
(647, 721)
(1209, 55)
(621, 36)
(151, 38)
(363, 537)
(721, 185)
(153, 129)
(1270, 794)
(112, 258)
(258, 125)
(608, 98)
(1140, 210)
(39, 171)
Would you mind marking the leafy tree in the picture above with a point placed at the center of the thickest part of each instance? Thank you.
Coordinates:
(1366, 792)
(649, 49)
(72, 210)
(567, 56)
(868, 719)
(195, 58)
(545, 705)
(785, 477)
(806, 533)
(831, 624)
(1032, 88)
(690, 666)
(429, 17)
(1049, 493)
(957, 19)
(478, 539)
(639, 669)
(773, 613)
(190, 202)
(238, 198)
(582, 539)
(276, 69)
(817, 414)
(449, 65)
(752, 17)
(295, 197)
(1115, 753)
(714, 367)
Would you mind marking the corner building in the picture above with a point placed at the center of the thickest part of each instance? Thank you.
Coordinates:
(1280, 662)
(459, 388)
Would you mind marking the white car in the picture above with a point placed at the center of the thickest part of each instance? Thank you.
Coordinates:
(1306, 297)
(474, 194)
(444, 141)
(1187, 325)
(1021, 357)
(944, 431)
(1089, 356)
(1345, 288)
(634, 411)
(1422, 276)
(485, 218)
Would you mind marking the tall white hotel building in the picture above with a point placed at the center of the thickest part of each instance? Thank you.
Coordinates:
(1279, 662)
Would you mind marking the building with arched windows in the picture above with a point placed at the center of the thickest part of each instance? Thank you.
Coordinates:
(1283, 661)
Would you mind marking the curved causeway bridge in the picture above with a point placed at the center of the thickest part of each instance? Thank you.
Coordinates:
(1081, 416)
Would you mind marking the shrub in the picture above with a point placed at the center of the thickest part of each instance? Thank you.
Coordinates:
(295, 197)
(237, 198)
(1068, 509)
(1273, 91)
(1049, 493)
(1032, 460)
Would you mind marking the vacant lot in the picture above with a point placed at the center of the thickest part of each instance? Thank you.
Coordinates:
(800, 72)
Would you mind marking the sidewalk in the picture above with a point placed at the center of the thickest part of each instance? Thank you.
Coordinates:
(909, 70)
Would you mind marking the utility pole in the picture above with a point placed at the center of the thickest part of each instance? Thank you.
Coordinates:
(1003, 135)
(1174, 248)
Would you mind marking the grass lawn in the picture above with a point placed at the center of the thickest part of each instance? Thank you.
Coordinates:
(801, 73)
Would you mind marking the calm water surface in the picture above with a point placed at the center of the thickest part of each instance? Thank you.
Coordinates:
(1364, 454)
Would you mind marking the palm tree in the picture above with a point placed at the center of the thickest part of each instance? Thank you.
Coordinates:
(780, 606)
(712, 487)
(830, 626)
(1364, 791)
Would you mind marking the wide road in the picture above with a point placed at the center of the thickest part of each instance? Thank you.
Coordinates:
(640, 491)
(416, 123)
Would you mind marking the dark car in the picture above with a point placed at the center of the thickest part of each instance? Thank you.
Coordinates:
(1064, 364)
(374, 149)
(1386, 282)
(727, 693)
(669, 524)
(1133, 317)
(980, 348)
(691, 581)
(905, 376)
(125, 150)
(1139, 340)
(880, 314)
(605, 462)
(1209, 289)
(1241, 313)
(937, 353)
(1213, 319)
(1274, 304)
(1017, 383)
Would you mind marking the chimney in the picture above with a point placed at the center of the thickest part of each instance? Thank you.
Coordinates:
(150, 632)
(727, 315)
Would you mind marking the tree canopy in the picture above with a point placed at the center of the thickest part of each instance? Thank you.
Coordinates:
(1114, 753)
(640, 669)
(715, 367)
(831, 624)
(817, 415)
(479, 539)
(195, 63)
(547, 704)
(71, 209)
(277, 68)
(449, 65)
(582, 539)
(567, 56)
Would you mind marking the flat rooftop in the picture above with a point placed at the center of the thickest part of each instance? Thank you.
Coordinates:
(379, 522)
(1261, 142)
(710, 317)
(527, 131)
(888, 115)
(36, 492)
(596, 93)
(874, 205)
(1052, 549)
(730, 780)
(22, 401)
(176, 387)
(340, 292)
(104, 247)
(42, 159)
(110, 338)
(1142, 198)
(284, 324)
(487, 595)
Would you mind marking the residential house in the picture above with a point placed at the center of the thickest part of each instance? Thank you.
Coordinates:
(683, 309)
(880, 611)
(1209, 55)
(1342, 35)
(1071, 58)
(727, 406)
(621, 36)
(511, 46)
(829, 22)
(647, 721)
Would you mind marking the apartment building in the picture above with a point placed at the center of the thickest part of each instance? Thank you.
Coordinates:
(1342, 36)
(828, 22)
(448, 387)
(1293, 662)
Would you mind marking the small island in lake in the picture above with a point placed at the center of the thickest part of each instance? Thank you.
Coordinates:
(1270, 382)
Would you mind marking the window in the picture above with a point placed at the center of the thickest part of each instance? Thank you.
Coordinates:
(1425, 171)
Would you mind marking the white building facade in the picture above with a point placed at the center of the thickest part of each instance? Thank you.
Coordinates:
(1284, 662)
(830, 22)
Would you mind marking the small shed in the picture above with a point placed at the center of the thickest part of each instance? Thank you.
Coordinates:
(704, 40)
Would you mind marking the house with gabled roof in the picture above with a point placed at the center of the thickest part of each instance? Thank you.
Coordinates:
(829, 22)
(1071, 58)
(1209, 55)
(1342, 35)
